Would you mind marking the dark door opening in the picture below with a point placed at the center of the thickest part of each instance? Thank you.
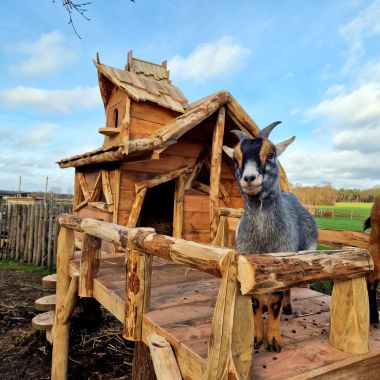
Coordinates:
(158, 207)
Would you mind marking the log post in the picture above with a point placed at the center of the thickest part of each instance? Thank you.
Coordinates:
(222, 237)
(216, 167)
(89, 264)
(137, 292)
(164, 361)
(31, 233)
(231, 339)
(178, 206)
(61, 340)
(349, 316)
(50, 238)
(136, 208)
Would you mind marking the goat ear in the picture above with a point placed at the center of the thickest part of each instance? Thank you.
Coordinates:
(280, 147)
(229, 151)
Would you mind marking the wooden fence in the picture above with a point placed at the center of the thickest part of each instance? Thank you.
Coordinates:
(28, 233)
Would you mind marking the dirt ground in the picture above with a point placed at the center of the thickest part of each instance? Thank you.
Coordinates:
(95, 353)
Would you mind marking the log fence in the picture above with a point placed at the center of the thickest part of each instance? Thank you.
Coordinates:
(230, 346)
(28, 232)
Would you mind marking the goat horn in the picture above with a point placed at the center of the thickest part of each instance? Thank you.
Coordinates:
(264, 133)
(241, 135)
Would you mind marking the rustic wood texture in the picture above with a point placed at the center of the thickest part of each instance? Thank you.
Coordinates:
(107, 187)
(45, 303)
(137, 292)
(215, 170)
(158, 180)
(349, 318)
(136, 208)
(117, 196)
(231, 337)
(271, 272)
(182, 305)
(179, 194)
(61, 330)
(89, 264)
(164, 362)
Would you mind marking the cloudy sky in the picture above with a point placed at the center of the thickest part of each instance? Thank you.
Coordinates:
(315, 65)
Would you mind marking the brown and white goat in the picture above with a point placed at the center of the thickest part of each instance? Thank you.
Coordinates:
(373, 278)
(272, 221)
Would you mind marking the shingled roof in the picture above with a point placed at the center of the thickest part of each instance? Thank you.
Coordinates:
(170, 133)
(142, 81)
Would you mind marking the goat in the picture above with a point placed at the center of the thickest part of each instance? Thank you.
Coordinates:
(272, 221)
(373, 278)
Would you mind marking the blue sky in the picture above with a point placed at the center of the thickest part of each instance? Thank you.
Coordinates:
(315, 65)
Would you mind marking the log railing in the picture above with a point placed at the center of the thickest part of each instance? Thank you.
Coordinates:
(231, 338)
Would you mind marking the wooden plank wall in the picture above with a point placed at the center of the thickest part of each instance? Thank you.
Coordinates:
(28, 233)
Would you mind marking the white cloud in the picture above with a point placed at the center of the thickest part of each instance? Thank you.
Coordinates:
(347, 168)
(45, 56)
(39, 135)
(209, 60)
(61, 101)
(295, 111)
(364, 26)
(355, 109)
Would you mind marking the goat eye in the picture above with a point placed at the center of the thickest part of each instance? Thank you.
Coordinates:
(270, 156)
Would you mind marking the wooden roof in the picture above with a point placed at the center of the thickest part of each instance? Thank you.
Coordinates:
(170, 133)
(142, 81)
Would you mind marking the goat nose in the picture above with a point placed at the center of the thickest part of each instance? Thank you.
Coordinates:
(249, 178)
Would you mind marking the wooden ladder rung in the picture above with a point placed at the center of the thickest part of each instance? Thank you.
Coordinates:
(45, 303)
(49, 281)
(43, 321)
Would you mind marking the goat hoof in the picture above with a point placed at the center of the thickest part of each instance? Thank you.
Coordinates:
(274, 346)
(287, 309)
(257, 344)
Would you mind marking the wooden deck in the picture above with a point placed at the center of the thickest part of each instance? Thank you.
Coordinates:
(182, 306)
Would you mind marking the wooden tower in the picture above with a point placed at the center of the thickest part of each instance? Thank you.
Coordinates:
(162, 163)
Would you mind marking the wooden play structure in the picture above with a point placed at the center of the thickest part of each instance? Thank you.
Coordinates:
(152, 237)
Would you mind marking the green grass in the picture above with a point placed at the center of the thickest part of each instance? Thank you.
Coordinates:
(16, 265)
(342, 216)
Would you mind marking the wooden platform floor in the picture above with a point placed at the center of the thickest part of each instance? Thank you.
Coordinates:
(182, 305)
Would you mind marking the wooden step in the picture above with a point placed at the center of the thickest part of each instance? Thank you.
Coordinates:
(49, 281)
(43, 321)
(46, 303)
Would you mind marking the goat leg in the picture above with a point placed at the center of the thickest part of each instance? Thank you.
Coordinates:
(258, 322)
(273, 335)
(287, 303)
(372, 288)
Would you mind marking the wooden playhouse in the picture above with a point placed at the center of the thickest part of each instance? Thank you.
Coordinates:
(185, 303)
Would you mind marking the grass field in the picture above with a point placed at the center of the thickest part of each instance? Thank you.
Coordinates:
(347, 216)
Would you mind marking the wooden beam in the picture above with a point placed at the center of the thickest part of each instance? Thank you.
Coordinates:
(89, 264)
(231, 339)
(222, 237)
(136, 207)
(215, 170)
(83, 185)
(102, 206)
(137, 292)
(224, 194)
(178, 206)
(126, 121)
(117, 196)
(231, 212)
(239, 113)
(158, 180)
(201, 187)
(95, 195)
(164, 362)
(81, 205)
(193, 116)
(349, 316)
(70, 299)
(280, 271)
(65, 252)
(195, 171)
(107, 187)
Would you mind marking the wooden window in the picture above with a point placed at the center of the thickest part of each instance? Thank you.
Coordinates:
(116, 117)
